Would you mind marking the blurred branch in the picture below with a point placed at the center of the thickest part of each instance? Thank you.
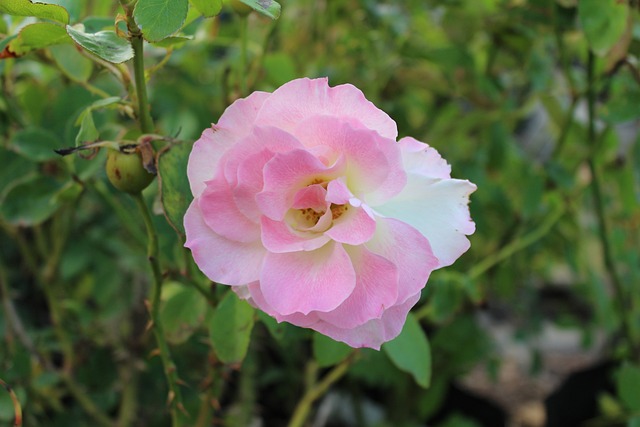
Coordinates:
(315, 391)
(175, 397)
(624, 301)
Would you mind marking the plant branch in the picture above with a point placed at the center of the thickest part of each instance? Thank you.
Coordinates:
(175, 397)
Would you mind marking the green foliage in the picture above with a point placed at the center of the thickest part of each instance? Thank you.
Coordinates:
(104, 44)
(410, 352)
(160, 18)
(230, 328)
(499, 88)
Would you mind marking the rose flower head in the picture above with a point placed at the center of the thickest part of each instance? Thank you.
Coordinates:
(307, 206)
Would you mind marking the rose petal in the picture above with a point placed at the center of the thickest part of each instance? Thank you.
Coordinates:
(285, 174)
(303, 98)
(354, 226)
(220, 259)
(298, 319)
(301, 282)
(409, 250)
(222, 215)
(376, 290)
(438, 208)
(419, 158)
(375, 332)
(234, 123)
(278, 237)
(373, 163)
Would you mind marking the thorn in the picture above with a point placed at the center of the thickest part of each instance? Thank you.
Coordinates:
(170, 396)
(154, 353)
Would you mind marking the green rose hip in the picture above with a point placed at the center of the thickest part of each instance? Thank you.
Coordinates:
(126, 172)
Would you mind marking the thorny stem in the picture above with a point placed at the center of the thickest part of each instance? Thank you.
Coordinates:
(175, 396)
(623, 300)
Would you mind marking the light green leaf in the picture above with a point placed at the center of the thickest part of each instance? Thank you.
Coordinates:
(175, 192)
(72, 63)
(208, 8)
(35, 144)
(105, 44)
(39, 10)
(328, 352)
(628, 386)
(410, 352)
(603, 22)
(31, 202)
(183, 311)
(230, 328)
(269, 8)
(173, 41)
(38, 36)
(88, 132)
(159, 19)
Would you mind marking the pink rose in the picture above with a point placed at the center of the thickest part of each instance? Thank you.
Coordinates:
(308, 207)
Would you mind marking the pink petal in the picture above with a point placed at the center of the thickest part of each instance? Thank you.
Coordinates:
(338, 192)
(298, 319)
(312, 197)
(303, 98)
(241, 114)
(302, 282)
(234, 123)
(373, 162)
(419, 158)
(222, 260)
(375, 332)
(222, 215)
(285, 174)
(409, 250)
(278, 237)
(437, 208)
(376, 290)
(353, 227)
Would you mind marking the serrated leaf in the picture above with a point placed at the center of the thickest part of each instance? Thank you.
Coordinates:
(603, 22)
(35, 144)
(38, 36)
(410, 352)
(175, 192)
(328, 352)
(159, 19)
(269, 8)
(39, 10)
(208, 8)
(105, 44)
(31, 202)
(628, 386)
(230, 328)
(183, 311)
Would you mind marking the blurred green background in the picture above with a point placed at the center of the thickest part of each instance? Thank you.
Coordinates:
(535, 101)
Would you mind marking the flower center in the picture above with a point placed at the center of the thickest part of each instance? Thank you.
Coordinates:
(338, 210)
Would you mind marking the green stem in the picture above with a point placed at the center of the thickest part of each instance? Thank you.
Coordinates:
(303, 407)
(624, 301)
(144, 116)
(244, 30)
(178, 415)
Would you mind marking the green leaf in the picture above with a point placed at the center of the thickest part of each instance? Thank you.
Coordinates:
(183, 311)
(208, 8)
(230, 328)
(410, 352)
(31, 202)
(628, 386)
(88, 132)
(328, 352)
(634, 422)
(173, 41)
(72, 63)
(159, 19)
(269, 8)
(105, 44)
(38, 36)
(603, 22)
(39, 10)
(35, 144)
(175, 192)
(14, 168)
